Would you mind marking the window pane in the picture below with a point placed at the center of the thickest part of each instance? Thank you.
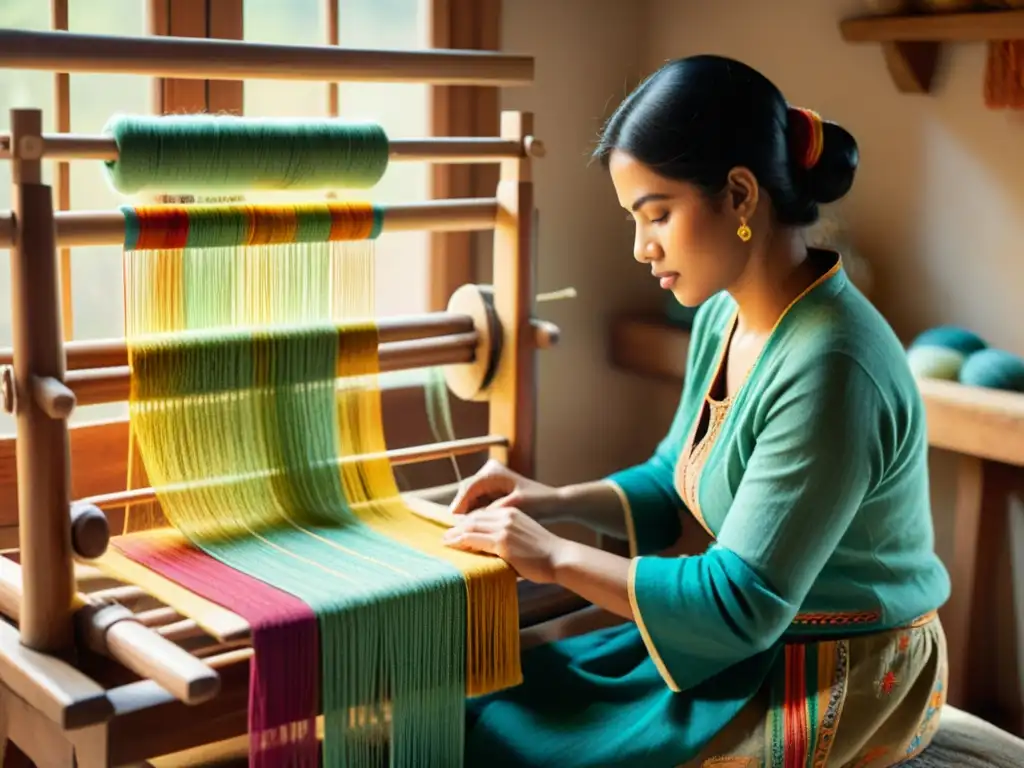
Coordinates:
(402, 270)
(97, 298)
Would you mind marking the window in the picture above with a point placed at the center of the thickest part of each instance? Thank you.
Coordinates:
(403, 284)
(93, 98)
(402, 266)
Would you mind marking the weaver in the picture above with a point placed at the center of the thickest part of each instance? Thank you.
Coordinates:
(255, 414)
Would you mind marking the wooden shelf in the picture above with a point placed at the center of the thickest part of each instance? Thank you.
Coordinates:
(973, 421)
(978, 27)
(911, 43)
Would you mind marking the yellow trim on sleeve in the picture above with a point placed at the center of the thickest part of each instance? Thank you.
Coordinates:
(627, 512)
(659, 663)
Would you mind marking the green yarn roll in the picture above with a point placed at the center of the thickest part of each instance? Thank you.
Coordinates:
(995, 369)
(214, 153)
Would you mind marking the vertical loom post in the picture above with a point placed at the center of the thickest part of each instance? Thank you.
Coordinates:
(513, 397)
(44, 520)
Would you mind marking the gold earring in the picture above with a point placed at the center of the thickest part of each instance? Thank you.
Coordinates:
(744, 233)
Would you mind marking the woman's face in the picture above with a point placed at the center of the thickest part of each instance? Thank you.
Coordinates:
(692, 248)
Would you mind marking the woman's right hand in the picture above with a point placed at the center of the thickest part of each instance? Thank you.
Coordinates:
(495, 485)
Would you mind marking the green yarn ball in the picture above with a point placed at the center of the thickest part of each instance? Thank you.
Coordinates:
(224, 153)
(994, 369)
(951, 337)
(935, 362)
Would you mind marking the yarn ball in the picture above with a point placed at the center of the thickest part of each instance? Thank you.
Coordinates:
(928, 362)
(951, 337)
(995, 369)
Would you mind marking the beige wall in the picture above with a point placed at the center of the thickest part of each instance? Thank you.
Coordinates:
(584, 240)
(936, 209)
(936, 206)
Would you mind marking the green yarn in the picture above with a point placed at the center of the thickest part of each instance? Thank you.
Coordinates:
(952, 353)
(221, 153)
(995, 369)
(439, 412)
(951, 337)
(929, 362)
(228, 394)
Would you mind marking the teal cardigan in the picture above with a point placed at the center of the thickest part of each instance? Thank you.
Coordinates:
(816, 491)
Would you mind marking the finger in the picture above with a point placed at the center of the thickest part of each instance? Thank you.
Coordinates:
(486, 519)
(471, 541)
(467, 496)
(513, 499)
(479, 491)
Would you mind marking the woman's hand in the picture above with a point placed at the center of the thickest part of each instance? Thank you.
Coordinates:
(496, 486)
(512, 535)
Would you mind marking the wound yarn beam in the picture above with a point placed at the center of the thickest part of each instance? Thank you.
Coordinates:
(221, 153)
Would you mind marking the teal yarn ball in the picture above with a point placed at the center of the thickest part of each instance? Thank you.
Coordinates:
(935, 362)
(994, 369)
(181, 154)
(951, 337)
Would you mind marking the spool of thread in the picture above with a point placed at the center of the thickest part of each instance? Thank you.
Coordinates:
(994, 369)
(220, 153)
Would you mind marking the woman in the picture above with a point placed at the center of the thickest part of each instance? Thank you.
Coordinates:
(806, 634)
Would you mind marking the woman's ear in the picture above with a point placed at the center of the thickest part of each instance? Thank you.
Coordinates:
(742, 193)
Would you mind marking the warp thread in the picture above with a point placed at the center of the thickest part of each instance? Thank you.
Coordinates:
(234, 353)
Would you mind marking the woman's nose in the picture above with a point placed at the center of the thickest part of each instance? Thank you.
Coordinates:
(645, 250)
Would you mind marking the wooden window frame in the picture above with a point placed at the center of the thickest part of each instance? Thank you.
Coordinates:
(99, 449)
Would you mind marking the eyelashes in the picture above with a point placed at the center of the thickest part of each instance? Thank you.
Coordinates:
(660, 220)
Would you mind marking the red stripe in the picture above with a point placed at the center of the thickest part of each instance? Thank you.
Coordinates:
(283, 677)
(162, 227)
(795, 708)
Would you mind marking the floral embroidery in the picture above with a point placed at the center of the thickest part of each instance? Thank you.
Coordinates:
(876, 753)
(889, 682)
(904, 643)
(930, 721)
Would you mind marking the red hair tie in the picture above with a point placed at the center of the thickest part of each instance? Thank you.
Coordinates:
(810, 136)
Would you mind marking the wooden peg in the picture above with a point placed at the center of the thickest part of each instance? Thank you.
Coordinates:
(53, 397)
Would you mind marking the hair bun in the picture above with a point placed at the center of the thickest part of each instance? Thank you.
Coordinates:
(824, 172)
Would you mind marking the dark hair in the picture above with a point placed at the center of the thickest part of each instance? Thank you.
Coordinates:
(697, 118)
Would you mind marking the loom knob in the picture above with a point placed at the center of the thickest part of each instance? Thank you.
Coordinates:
(534, 147)
(90, 531)
(7, 389)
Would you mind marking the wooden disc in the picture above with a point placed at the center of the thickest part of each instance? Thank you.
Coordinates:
(469, 381)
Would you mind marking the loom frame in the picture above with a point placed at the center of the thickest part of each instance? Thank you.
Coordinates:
(95, 672)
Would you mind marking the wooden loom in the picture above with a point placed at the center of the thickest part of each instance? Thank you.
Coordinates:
(97, 672)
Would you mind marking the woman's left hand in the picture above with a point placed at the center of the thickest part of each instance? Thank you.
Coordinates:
(513, 536)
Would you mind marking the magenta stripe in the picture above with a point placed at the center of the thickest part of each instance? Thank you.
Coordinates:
(283, 676)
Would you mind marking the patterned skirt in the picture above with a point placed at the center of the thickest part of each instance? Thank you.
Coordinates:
(868, 702)
(596, 701)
